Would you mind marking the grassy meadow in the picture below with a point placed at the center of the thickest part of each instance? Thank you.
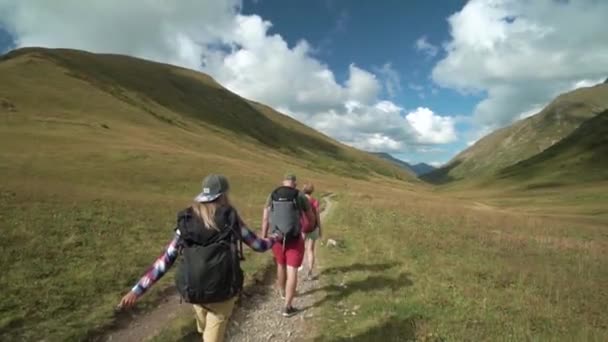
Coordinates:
(412, 265)
(428, 269)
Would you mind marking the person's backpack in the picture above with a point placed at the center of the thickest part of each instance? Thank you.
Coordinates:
(285, 213)
(210, 269)
(314, 205)
(307, 226)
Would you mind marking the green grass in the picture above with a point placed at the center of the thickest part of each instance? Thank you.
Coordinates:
(440, 272)
(71, 246)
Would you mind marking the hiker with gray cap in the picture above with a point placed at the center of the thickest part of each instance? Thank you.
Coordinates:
(208, 236)
(283, 213)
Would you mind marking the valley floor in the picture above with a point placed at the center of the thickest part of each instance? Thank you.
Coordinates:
(429, 269)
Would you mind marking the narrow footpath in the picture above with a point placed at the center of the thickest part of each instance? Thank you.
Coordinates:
(259, 319)
(256, 319)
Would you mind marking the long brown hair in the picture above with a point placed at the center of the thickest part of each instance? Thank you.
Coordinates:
(206, 211)
(309, 188)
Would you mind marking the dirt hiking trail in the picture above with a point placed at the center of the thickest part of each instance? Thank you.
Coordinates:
(257, 318)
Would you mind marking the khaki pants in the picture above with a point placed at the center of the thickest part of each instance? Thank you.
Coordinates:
(212, 319)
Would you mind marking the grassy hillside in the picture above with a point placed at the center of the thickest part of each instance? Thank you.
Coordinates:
(580, 157)
(423, 168)
(525, 138)
(183, 98)
(402, 164)
(98, 152)
(416, 169)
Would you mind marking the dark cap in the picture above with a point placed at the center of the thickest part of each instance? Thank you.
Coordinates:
(213, 187)
(290, 177)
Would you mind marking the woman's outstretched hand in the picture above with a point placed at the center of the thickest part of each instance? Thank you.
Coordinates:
(128, 301)
(276, 236)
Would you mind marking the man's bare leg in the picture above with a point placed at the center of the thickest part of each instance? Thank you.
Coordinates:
(281, 279)
(291, 285)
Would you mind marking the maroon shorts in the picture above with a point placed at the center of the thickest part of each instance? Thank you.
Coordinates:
(291, 254)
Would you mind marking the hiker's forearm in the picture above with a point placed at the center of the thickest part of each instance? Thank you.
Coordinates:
(158, 268)
(265, 224)
(254, 242)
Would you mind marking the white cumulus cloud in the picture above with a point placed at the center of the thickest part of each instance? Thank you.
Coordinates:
(520, 54)
(239, 51)
(431, 128)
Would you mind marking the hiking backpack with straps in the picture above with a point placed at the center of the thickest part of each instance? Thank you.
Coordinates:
(210, 269)
(285, 213)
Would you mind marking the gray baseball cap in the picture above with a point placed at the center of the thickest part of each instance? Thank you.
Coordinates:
(213, 187)
(290, 177)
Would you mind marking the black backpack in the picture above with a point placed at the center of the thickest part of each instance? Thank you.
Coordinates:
(285, 213)
(210, 269)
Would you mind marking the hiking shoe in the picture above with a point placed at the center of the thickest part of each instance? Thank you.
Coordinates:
(289, 311)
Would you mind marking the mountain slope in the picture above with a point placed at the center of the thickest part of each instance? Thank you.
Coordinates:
(417, 169)
(422, 169)
(386, 156)
(526, 137)
(580, 157)
(181, 97)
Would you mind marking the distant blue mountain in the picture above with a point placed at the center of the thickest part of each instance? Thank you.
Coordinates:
(419, 169)
(422, 168)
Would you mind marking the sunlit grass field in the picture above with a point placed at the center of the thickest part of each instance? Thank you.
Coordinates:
(429, 269)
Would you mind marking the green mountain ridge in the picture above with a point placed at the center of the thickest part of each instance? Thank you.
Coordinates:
(422, 169)
(180, 97)
(582, 156)
(525, 138)
(418, 169)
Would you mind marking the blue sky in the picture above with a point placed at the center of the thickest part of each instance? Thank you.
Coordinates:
(345, 32)
(419, 79)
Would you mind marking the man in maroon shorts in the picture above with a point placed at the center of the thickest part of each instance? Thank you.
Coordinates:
(290, 253)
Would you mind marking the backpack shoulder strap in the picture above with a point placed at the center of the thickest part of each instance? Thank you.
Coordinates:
(296, 200)
(233, 225)
(182, 217)
(274, 195)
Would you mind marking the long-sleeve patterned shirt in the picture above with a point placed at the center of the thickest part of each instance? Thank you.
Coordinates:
(164, 262)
